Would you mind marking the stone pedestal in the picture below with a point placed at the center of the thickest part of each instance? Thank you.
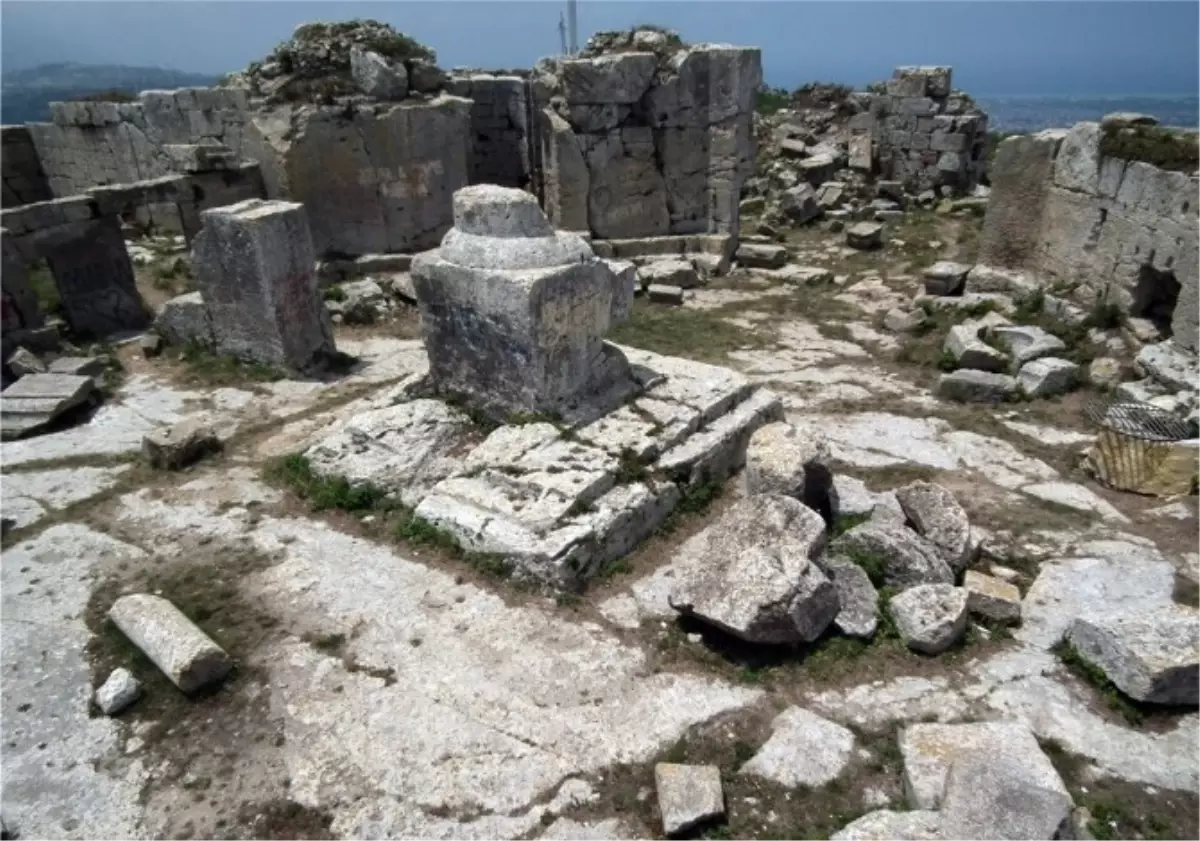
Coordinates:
(255, 268)
(514, 313)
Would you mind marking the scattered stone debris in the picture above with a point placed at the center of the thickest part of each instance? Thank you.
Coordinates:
(938, 517)
(175, 447)
(992, 598)
(970, 386)
(119, 691)
(37, 400)
(804, 750)
(183, 652)
(865, 235)
(688, 795)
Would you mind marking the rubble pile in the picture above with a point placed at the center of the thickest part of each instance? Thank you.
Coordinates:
(322, 61)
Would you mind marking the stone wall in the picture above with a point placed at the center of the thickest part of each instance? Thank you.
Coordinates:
(926, 134)
(1103, 228)
(502, 141)
(94, 143)
(648, 142)
(374, 177)
(24, 179)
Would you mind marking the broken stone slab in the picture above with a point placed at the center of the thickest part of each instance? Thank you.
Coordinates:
(1026, 343)
(752, 573)
(1170, 365)
(804, 750)
(119, 691)
(930, 617)
(970, 352)
(361, 301)
(1151, 656)
(781, 459)
(970, 386)
(799, 203)
(893, 554)
(946, 278)
(151, 345)
(938, 517)
(931, 750)
(758, 256)
(38, 399)
(858, 603)
(902, 321)
(184, 320)
(177, 446)
(1047, 377)
(688, 795)
(83, 366)
(997, 797)
(679, 273)
(184, 653)
(992, 598)
(888, 825)
(660, 293)
(865, 236)
(24, 361)
(983, 278)
(801, 275)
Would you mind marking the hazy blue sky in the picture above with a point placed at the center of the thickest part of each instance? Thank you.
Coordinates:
(1138, 46)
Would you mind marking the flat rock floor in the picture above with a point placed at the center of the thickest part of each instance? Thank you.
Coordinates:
(383, 690)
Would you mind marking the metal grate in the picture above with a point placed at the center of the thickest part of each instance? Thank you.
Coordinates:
(1143, 421)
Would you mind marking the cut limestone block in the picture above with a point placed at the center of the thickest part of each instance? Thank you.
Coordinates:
(938, 517)
(24, 361)
(888, 825)
(177, 446)
(989, 796)
(930, 617)
(679, 273)
(969, 386)
(902, 557)
(970, 352)
(752, 573)
(37, 399)
(804, 750)
(1150, 655)
(992, 598)
(1027, 343)
(255, 267)
(183, 652)
(83, 366)
(662, 294)
(118, 692)
(688, 795)
(781, 459)
(946, 278)
(865, 235)
(1047, 377)
(760, 256)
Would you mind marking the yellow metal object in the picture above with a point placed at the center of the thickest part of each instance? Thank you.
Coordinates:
(1154, 468)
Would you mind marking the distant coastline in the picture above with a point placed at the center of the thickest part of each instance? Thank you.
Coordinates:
(1035, 112)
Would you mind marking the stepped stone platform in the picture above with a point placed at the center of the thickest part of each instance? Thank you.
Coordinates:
(557, 502)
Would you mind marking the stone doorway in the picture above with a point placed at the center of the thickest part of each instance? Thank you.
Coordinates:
(1154, 298)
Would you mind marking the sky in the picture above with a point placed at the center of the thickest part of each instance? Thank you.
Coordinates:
(1072, 47)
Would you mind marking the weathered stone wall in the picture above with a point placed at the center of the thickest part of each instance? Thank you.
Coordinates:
(373, 177)
(94, 143)
(926, 134)
(24, 179)
(645, 143)
(1122, 230)
(501, 139)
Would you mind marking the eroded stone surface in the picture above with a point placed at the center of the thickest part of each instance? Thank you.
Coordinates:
(804, 750)
(1151, 656)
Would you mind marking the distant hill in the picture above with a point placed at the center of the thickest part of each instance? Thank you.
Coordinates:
(25, 95)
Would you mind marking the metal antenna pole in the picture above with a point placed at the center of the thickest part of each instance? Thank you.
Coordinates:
(573, 26)
(562, 32)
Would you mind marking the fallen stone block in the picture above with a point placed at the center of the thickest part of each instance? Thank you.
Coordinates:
(900, 321)
(183, 320)
(858, 603)
(968, 386)
(780, 459)
(989, 796)
(983, 278)
(893, 554)
(1047, 377)
(1026, 343)
(183, 652)
(865, 235)
(175, 447)
(1151, 656)
(946, 278)
(375, 76)
(804, 750)
(1170, 365)
(799, 203)
(759, 256)
(970, 352)
(930, 751)
(36, 400)
(118, 692)
(992, 598)
(930, 617)
(888, 825)
(24, 361)
(752, 573)
(938, 517)
(688, 795)
(662, 294)
(803, 275)
(678, 273)
(361, 301)
(151, 345)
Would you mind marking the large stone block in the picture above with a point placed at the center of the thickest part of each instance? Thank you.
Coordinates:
(255, 268)
(95, 280)
(514, 313)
